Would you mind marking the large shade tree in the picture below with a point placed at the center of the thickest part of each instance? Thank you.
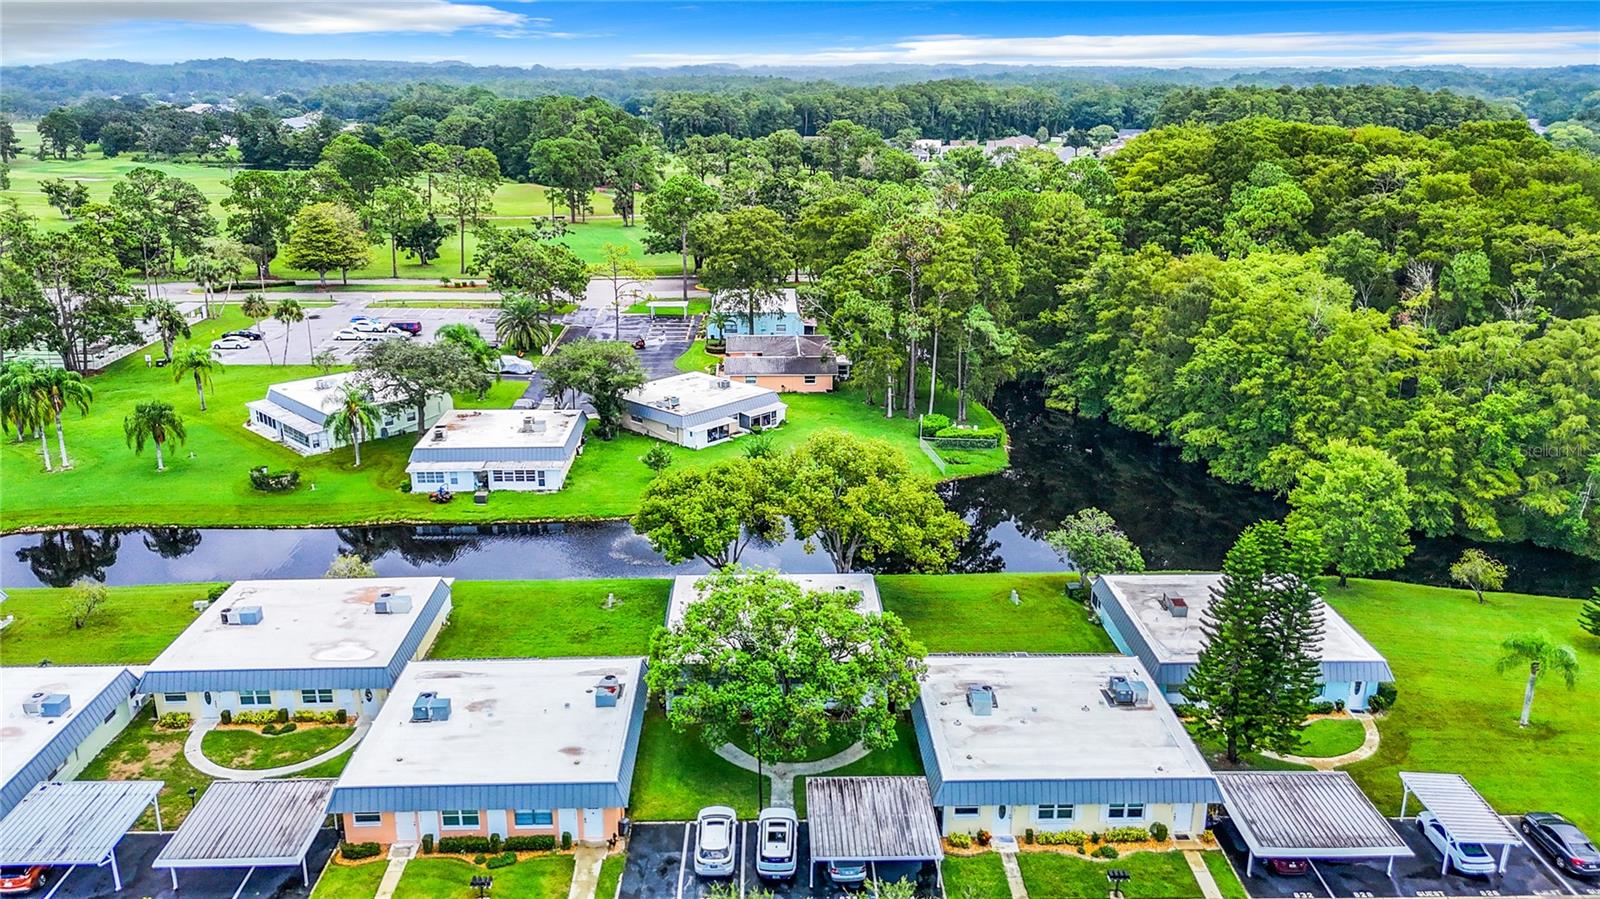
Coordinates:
(1092, 541)
(1355, 508)
(602, 370)
(670, 213)
(713, 514)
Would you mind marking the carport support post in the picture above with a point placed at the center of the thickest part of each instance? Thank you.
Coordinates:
(1249, 863)
(156, 804)
(1404, 795)
(1389, 869)
(116, 873)
(1505, 854)
(174, 873)
(305, 873)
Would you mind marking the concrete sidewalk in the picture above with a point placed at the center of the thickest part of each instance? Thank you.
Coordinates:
(196, 758)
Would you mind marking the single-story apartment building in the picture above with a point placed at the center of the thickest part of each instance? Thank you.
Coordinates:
(685, 592)
(328, 643)
(799, 364)
(782, 317)
(296, 413)
(56, 719)
(696, 410)
(515, 747)
(1158, 617)
(1056, 742)
(498, 449)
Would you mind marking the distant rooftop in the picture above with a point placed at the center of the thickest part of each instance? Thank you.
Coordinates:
(779, 344)
(498, 428)
(24, 736)
(1051, 722)
(695, 392)
(684, 592)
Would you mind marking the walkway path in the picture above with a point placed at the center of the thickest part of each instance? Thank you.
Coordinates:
(399, 855)
(782, 774)
(586, 875)
(1202, 874)
(1008, 861)
(1368, 747)
(191, 752)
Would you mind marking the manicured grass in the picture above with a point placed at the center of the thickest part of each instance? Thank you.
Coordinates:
(1248, 761)
(974, 613)
(1223, 874)
(254, 751)
(562, 618)
(610, 876)
(901, 758)
(540, 877)
(676, 775)
(1328, 737)
(354, 881)
(697, 306)
(133, 626)
(1155, 875)
(144, 752)
(979, 876)
(695, 358)
(485, 303)
(331, 768)
(1456, 713)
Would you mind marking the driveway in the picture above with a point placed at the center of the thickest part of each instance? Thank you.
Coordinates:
(138, 850)
(315, 334)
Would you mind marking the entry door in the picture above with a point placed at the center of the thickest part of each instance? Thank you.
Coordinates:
(594, 824)
(1002, 819)
(567, 822)
(405, 827)
(1183, 820)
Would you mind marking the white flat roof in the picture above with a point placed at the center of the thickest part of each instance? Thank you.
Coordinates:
(512, 721)
(1051, 721)
(1181, 639)
(684, 592)
(23, 736)
(317, 392)
(696, 392)
(501, 428)
(312, 623)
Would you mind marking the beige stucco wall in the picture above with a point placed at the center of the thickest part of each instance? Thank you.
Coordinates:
(97, 740)
(490, 820)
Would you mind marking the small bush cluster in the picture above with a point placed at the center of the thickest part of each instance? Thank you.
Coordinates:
(566, 841)
(1384, 698)
(1159, 832)
(330, 716)
(543, 842)
(1061, 838)
(1106, 851)
(175, 720)
(935, 422)
(226, 717)
(356, 851)
(1127, 835)
(1321, 707)
(960, 840)
(265, 716)
(274, 481)
(215, 593)
(278, 729)
(502, 860)
(464, 845)
(984, 837)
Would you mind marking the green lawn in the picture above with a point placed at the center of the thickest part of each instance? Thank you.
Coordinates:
(206, 482)
(331, 768)
(697, 306)
(676, 775)
(975, 877)
(133, 626)
(1328, 737)
(568, 618)
(610, 876)
(1156, 875)
(540, 877)
(901, 758)
(355, 881)
(1248, 761)
(695, 358)
(1223, 873)
(142, 752)
(974, 613)
(252, 750)
(1456, 713)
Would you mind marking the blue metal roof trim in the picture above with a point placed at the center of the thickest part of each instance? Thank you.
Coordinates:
(930, 758)
(630, 747)
(726, 410)
(1112, 608)
(480, 796)
(89, 718)
(1350, 672)
(1078, 792)
(419, 629)
(301, 409)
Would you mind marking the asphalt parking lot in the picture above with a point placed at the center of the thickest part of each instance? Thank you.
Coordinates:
(656, 867)
(1527, 874)
(315, 334)
(138, 850)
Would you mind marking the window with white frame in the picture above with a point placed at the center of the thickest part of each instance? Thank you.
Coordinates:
(749, 379)
(430, 477)
(519, 476)
(255, 697)
(965, 811)
(366, 819)
(1125, 811)
(533, 817)
(171, 698)
(312, 697)
(1054, 813)
(811, 379)
(466, 817)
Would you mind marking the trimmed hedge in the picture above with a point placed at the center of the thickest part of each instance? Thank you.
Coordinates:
(355, 851)
(175, 720)
(261, 717)
(1061, 838)
(427, 844)
(331, 716)
(1127, 835)
(935, 422)
(1158, 832)
(1384, 698)
(463, 845)
(543, 842)
(274, 481)
(502, 860)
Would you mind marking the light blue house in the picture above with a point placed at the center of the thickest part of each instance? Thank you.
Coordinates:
(783, 319)
(1158, 616)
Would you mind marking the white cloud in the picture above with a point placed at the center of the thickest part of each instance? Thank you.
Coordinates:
(1487, 48)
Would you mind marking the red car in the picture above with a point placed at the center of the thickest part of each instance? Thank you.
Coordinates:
(16, 879)
(1289, 867)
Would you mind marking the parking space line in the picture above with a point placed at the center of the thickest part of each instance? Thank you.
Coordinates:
(743, 848)
(1329, 889)
(683, 862)
(59, 881)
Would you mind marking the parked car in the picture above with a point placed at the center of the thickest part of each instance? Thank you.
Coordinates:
(847, 874)
(716, 842)
(1289, 867)
(778, 833)
(412, 328)
(368, 326)
(392, 331)
(1465, 858)
(353, 334)
(18, 879)
(230, 343)
(1570, 848)
(247, 334)
(515, 365)
(363, 320)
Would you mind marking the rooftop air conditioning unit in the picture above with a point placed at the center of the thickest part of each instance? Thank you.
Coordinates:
(672, 402)
(532, 425)
(1176, 606)
(1127, 692)
(982, 699)
(324, 384)
(608, 692)
(47, 705)
(724, 383)
(392, 604)
(438, 433)
(430, 706)
(241, 615)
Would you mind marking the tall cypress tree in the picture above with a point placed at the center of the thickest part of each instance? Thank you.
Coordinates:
(1589, 615)
(1258, 674)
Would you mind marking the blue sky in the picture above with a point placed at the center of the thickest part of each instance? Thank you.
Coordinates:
(674, 32)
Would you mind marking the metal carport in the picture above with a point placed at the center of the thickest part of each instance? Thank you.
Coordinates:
(1463, 811)
(872, 819)
(1307, 814)
(250, 824)
(76, 822)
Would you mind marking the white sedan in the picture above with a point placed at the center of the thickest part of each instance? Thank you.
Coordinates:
(353, 334)
(1465, 858)
(230, 343)
(368, 326)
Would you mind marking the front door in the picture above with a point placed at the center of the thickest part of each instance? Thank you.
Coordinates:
(567, 822)
(594, 825)
(1002, 819)
(1183, 820)
(405, 827)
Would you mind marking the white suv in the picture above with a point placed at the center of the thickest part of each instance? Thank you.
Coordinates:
(716, 843)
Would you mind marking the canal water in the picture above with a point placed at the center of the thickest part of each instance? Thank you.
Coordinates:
(1178, 515)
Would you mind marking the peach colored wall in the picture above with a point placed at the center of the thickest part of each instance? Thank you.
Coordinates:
(381, 833)
(385, 832)
(793, 383)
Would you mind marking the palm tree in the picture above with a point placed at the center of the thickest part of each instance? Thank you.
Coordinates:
(1541, 656)
(157, 422)
(290, 312)
(352, 415)
(17, 395)
(255, 307)
(521, 327)
(59, 389)
(169, 322)
(201, 364)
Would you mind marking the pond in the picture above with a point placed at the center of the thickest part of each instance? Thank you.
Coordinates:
(1179, 516)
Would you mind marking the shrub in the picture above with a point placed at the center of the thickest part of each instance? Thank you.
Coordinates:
(341, 716)
(494, 843)
(960, 840)
(543, 842)
(215, 593)
(269, 730)
(354, 851)
(261, 717)
(1384, 698)
(502, 860)
(283, 716)
(566, 841)
(1027, 836)
(289, 728)
(1106, 851)
(1127, 835)
(984, 837)
(1321, 707)
(1158, 832)
(312, 716)
(427, 844)
(479, 859)
(935, 422)
(1338, 704)
(1061, 837)
(175, 720)
(226, 717)
(463, 845)
(274, 481)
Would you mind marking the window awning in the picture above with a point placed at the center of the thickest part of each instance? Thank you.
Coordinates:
(1459, 807)
(1307, 814)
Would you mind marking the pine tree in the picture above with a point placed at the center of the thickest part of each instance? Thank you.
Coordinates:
(1258, 674)
(1589, 615)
